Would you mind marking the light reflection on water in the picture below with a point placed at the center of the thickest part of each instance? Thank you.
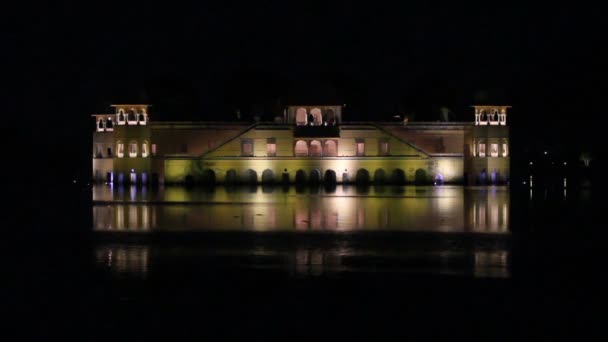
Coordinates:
(307, 261)
(343, 209)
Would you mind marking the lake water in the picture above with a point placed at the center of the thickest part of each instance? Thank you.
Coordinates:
(491, 262)
(342, 209)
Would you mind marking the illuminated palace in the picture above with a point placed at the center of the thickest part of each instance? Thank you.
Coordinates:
(307, 144)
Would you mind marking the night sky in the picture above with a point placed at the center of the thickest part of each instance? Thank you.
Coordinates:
(203, 62)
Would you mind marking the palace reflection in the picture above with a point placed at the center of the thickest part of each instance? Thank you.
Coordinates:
(344, 208)
(451, 258)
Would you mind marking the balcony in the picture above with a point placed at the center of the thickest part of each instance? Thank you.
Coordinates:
(316, 131)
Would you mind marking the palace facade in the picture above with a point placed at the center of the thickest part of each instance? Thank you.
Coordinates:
(308, 144)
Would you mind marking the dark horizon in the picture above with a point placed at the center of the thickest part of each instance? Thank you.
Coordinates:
(205, 62)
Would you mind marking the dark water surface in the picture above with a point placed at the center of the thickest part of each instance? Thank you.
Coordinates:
(490, 263)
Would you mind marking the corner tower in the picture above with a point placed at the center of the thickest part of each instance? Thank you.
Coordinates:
(122, 146)
(488, 155)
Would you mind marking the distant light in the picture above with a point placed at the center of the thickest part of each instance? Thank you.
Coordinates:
(565, 163)
(531, 163)
(132, 170)
(524, 183)
(545, 152)
(74, 181)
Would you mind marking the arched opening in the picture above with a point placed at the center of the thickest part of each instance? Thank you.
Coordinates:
(494, 176)
(109, 124)
(189, 180)
(398, 177)
(483, 116)
(300, 177)
(331, 149)
(144, 149)
(317, 117)
(438, 179)
(121, 116)
(131, 116)
(268, 176)
(420, 176)
(316, 149)
(133, 149)
(141, 117)
(380, 177)
(330, 177)
(100, 125)
(301, 149)
(329, 116)
(120, 149)
(251, 176)
(208, 177)
(301, 117)
(362, 177)
(315, 177)
(231, 177)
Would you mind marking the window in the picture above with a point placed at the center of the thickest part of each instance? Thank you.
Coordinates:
(144, 149)
(482, 150)
(153, 150)
(183, 148)
(247, 148)
(301, 149)
(121, 117)
(317, 117)
(316, 149)
(98, 150)
(271, 147)
(383, 148)
(360, 148)
(109, 152)
(494, 150)
(505, 152)
(120, 149)
(133, 149)
(331, 149)
(301, 117)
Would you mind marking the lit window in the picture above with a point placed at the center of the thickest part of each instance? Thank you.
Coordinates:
(301, 117)
(271, 147)
(494, 150)
(482, 150)
(133, 149)
(153, 149)
(144, 149)
(360, 147)
(505, 151)
(247, 148)
(120, 149)
(331, 149)
(301, 149)
(383, 148)
(315, 148)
